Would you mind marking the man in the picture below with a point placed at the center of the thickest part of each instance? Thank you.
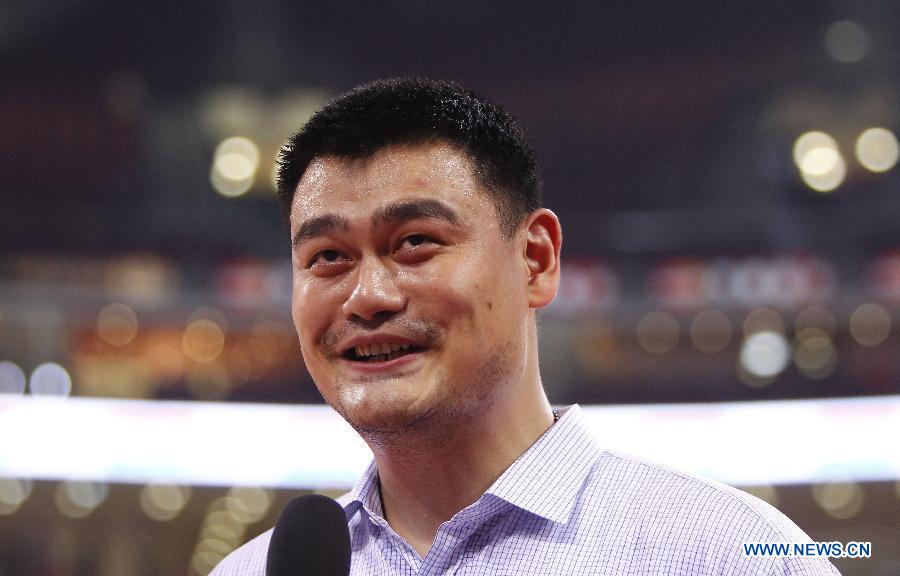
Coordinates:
(421, 254)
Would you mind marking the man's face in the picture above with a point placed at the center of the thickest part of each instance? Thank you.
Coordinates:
(410, 304)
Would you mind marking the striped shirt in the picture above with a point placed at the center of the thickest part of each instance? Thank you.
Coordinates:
(568, 507)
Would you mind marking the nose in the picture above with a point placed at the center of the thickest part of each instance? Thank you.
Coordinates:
(375, 293)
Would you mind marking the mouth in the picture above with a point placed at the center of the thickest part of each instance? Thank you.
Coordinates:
(380, 353)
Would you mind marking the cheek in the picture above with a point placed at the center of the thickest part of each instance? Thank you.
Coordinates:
(301, 325)
(468, 299)
(309, 310)
(497, 300)
(439, 292)
(299, 309)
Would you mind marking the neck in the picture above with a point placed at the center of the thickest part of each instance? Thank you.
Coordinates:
(426, 480)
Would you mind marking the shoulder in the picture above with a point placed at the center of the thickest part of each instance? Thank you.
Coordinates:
(248, 560)
(669, 513)
(646, 484)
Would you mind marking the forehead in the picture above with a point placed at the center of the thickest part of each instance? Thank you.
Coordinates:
(358, 185)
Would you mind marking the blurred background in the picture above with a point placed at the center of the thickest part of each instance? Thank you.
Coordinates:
(725, 174)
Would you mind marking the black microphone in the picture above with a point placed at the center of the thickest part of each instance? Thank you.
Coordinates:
(310, 537)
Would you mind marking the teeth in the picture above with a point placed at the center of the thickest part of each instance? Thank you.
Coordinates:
(365, 350)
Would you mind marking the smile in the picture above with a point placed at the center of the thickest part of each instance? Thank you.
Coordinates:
(382, 352)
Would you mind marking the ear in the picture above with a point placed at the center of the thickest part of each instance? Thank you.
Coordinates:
(543, 241)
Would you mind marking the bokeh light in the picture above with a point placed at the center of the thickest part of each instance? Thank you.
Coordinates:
(221, 523)
(658, 332)
(877, 149)
(829, 181)
(248, 504)
(763, 320)
(12, 378)
(224, 533)
(78, 499)
(209, 553)
(50, 379)
(117, 324)
(765, 354)
(814, 353)
(163, 502)
(870, 324)
(235, 163)
(847, 41)
(203, 340)
(13, 493)
(225, 525)
(819, 161)
(840, 500)
(710, 331)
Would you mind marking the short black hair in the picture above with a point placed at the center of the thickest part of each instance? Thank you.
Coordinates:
(412, 111)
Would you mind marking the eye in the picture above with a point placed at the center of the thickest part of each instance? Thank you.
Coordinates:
(416, 240)
(326, 258)
(415, 248)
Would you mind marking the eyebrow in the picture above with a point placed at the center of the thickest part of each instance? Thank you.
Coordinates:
(395, 212)
(320, 226)
(406, 210)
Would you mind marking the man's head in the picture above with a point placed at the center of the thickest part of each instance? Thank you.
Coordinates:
(416, 272)
(411, 111)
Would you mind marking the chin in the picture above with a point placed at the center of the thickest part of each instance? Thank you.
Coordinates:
(367, 423)
(366, 409)
(384, 412)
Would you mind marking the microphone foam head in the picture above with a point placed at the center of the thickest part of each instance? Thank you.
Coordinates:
(310, 537)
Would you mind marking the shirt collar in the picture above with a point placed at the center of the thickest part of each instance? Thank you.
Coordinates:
(544, 480)
(365, 494)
